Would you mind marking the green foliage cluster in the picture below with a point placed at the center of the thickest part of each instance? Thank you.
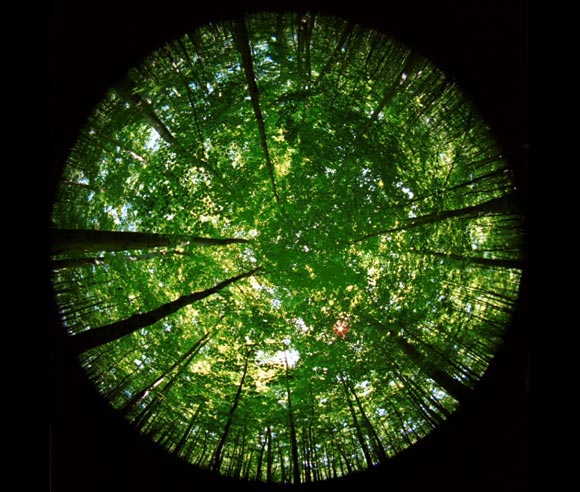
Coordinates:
(396, 213)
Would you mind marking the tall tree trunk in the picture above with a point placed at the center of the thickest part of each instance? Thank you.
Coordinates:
(83, 241)
(379, 449)
(486, 262)
(357, 427)
(144, 421)
(183, 441)
(292, 422)
(332, 58)
(411, 60)
(98, 336)
(503, 205)
(341, 451)
(123, 146)
(456, 389)
(74, 263)
(243, 43)
(269, 458)
(305, 27)
(261, 458)
(185, 359)
(126, 91)
(217, 457)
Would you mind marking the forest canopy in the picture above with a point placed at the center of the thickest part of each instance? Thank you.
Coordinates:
(285, 247)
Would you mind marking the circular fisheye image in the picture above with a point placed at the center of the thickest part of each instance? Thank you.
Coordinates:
(285, 247)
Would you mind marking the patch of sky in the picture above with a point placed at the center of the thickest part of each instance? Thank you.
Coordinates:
(405, 189)
(301, 325)
(153, 140)
(279, 358)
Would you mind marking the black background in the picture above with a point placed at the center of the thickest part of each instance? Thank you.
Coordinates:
(483, 46)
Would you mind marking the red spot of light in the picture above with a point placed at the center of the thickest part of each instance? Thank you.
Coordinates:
(340, 328)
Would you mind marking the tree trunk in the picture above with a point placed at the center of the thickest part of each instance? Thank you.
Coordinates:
(269, 458)
(332, 58)
(411, 60)
(74, 263)
(183, 441)
(456, 389)
(217, 457)
(380, 450)
(305, 27)
(261, 458)
(185, 359)
(98, 336)
(341, 451)
(503, 205)
(358, 430)
(294, 443)
(243, 43)
(126, 91)
(83, 241)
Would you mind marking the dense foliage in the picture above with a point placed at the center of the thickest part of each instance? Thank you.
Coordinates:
(316, 248)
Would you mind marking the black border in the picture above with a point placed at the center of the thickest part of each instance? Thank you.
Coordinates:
(483, 46)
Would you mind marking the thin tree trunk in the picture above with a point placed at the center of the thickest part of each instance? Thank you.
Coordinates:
(81, 185)
(122, 145)
(239, 456)
(503, 205)
(83, 241)
(294, 443)
(261, 458)
(456, 389)
(185, 359)
(269, 458)
(341, 451)
(332, 58)
(305, 27)
(98, 336)
(243, 43)
(411, 60)
(487, 262)
(126, 91)
(74, 263)
(217, 457)
(419, 396)
(441, 355)
(307, 458)
(380, 450)
(359, 434)
(183, 441)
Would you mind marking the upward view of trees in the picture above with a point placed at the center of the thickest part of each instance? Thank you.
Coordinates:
(247, 187)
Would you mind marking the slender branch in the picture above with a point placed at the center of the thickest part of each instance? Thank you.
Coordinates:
(243, 43)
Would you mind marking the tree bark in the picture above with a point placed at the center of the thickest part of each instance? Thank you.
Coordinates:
(261, 458)
(305, 27)
(243, 43)
(217, 457)
(294, 443)
(409, 63)
(269, 458)
(185, 359)
(98, 336)
(358, 430)
(379, 448)
(74, 263)
(503, 205)
(83, 241)
(332, 58)
(456, 389)
(126, 91)
(486, 262)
